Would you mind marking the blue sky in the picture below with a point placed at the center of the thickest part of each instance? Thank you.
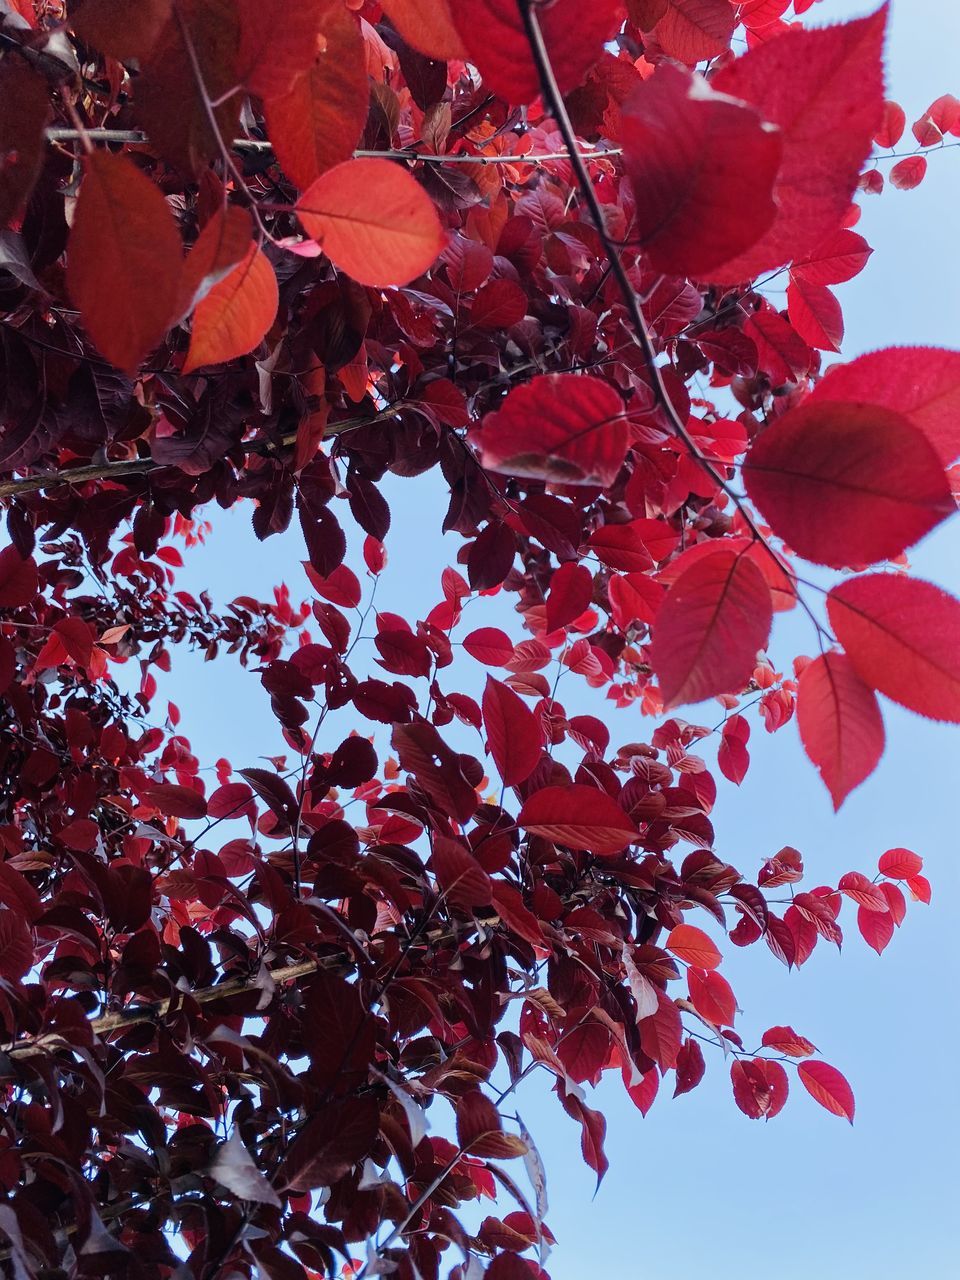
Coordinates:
(695, 1188)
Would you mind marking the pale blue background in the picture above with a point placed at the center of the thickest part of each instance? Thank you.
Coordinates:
(696, 1189)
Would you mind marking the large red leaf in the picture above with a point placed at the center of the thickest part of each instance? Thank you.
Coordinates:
(318, 121)
(579, 817)
(278, 42)
(693, 946)
(234, 316)
(561, 427)
(373, 220)
(922, 383)
(828, 1087)
(903, 637)
(702, 169)
(847, 484)
(712, 997)
(709, 629)
(496, 42)
(840, 723)
(513, 732)
(427, 25)
(815, 313)
(824, 91)
(123, 260)
(695, 30)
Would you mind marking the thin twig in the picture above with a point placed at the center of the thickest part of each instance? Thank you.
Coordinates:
(137, 137)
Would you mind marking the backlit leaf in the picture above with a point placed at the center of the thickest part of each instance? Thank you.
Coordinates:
(840, 723)
(124, 260)
(234, 316)
(847, 484)
(900, 864)
(827, 1086)
(373, 220)
(693, 946)
(513, 732)
(278, 42)
(903, 637)
(824, 91)
(427, 25)
(559, 427)
(579, 817)
(714, 620)
(695, 30)
(702, 168)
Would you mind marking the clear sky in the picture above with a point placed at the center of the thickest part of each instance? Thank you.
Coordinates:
(696, 1189)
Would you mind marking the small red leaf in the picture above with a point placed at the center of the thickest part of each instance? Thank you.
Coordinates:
(489, 645)
(693, 946)
(862, 891)
(786, 1040)
(236, 313)
(876, 928)
(571, 591)
(827, 1086)
(712, 997)
(908, 172)
(18, 579)
(16, 946)
(900, 864)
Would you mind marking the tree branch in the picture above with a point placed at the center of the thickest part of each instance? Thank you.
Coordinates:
(143, 466)
(256, 146)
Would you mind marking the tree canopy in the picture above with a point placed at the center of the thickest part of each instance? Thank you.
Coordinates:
(271, 252)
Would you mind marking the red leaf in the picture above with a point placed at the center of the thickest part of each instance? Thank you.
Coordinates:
(692, 945)
(278, 42)
(513, 733)
(498, 305)
(175, 801)
(827, 1086)
(702, 169)
(373, 220)
(644, 1092)
(908, 173)
(824, 91)
(26, 111)
(318, 121)
(571, 592)
(896, 902)
(892, 126)
(562, 427)
(919, 887)
(480, 1129)
(221, 245)
(120, 29)
(662, 1032)
(715, 619)
(235, 315)
(695, 30)
(497, 44)
(123, 260)
(712, 997)
(489, 645)
(733, 758)
(690, 1067)
(333, 1140)
(876, 928)
(840, 257)
(579, 817)
(427, 25)
(786, 1040)
(900, 864)
(862, 891)
(16, 946)
(760, 1087)
(847, 484)
(922, 383)
(340, 587)
(815, 313)
(903, 637)
(840, 723)
(18, 579)
(634, 598)
(460, 876)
